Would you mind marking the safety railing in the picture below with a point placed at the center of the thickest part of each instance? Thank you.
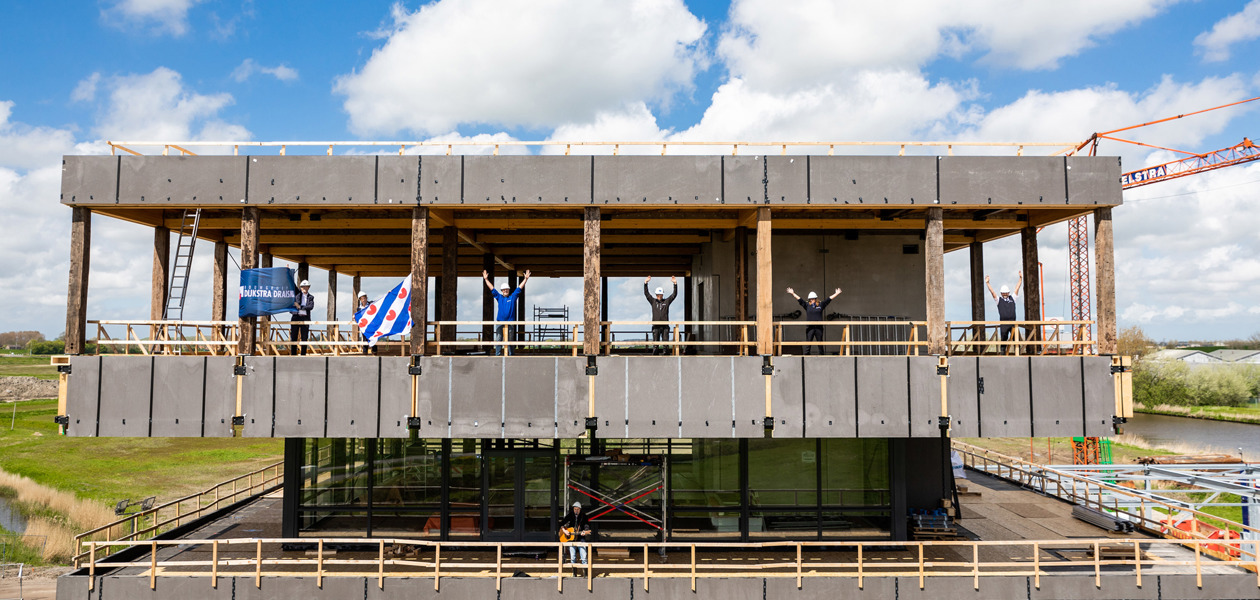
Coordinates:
(448, 335)
(146, 524)
(912, 343)
(1025, 338)
(680, 335)
(1151, 515)
(548, 146)
(256, 558)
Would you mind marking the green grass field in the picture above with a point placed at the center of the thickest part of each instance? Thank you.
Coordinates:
(111, 469)
(31, 366)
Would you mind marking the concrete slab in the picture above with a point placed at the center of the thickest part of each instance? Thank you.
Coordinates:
(925, 397)
(829, 588)
(433, 395)
(526, 180)
(830, 396)
(1002, 180)
(396, 180)
(258, 396)
(1100, 395)
(441, 179)
(750, 397)
(1215, 586)
(787, 397)
(572, 396)
(1005, 399)
(1057, 403)
(708, 396)
(312, 180)
(786, 179)
(178, 395)
(138, 587)
(301, 396)
(872, 180)
(639, 180)
(354, 386)
(83, 395)
(477, 396)
(89, 180)
(176, 180)
(654, 396)
(126, 387)
(220, 402)
(883, 396)
(529, 408)
(963, 396)
(957, 588)
(611, 386)
(1094, 180)
(1082, 587)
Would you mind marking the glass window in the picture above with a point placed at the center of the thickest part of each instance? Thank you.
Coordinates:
(705, 474)
(465, 489)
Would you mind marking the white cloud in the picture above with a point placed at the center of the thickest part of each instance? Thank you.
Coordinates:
(156, 16)
(85, 91)
(1239, 27)
(26, 147)
(158, 107)
(249, 67)
(536, 64)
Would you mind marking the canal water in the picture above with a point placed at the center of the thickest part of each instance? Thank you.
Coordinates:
(10, 519)
(1192, 435)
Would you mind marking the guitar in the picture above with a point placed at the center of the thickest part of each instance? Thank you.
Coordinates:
(567, 535)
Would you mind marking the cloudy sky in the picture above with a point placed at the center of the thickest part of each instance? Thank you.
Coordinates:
(1188, 260)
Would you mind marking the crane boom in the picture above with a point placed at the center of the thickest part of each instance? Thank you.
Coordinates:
(1243, 152)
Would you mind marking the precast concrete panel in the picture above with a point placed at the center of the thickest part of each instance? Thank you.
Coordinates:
(1057, 403)
(872, 180)
(830, 588)
(1005, 400)
(312, 180)
(354, 394)
(708, 397)
(611, 388)
(220, 404)
(126, 388)
(925, 397)
(396, 181)
(136, 587)
(301, 396)
(477, 389)
(529, 407)
(787, 397)
(572, 396)
(653, 396)
(830, 396)
(963, 397)
(641, 180)
(181, 180)
(883, 396)
(750, 397)
(433, 396)
(258, 396)
(1002, 180)
(1094, 180)
(89, 180)
(178, 395)
(756, 179)
(526, 180)
(441, 179)
(83, 395)
(1100, 395)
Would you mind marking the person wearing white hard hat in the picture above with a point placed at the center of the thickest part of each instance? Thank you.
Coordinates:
(358, 310)
(660, 312)
(814, 311)
(505, 299)
(1005, 304)
(574, 528)
(298, 331)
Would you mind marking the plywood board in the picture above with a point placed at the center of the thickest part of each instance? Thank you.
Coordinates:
(654, 396)
(178, 395)
(126, 383)
(830, 396)
(1005, 405)
(883, 396)
(872, 180)
(301, 388)
(354, 384)
(1057, 407)
(477, 396)
(708, 396)
(83, 395)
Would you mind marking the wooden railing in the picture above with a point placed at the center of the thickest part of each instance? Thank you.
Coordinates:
(914, 344)
(764, 560)
(1028, 338)
(146, 524)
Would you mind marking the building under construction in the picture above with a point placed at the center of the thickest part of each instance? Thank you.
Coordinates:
(735, 434)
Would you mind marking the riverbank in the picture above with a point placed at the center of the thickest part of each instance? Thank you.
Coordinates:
(1231, 414)
(1058, 450)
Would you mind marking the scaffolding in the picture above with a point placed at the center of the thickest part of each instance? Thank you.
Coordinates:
(556, 330)
(628, 492)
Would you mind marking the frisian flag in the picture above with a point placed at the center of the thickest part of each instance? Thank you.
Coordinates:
(391, 315)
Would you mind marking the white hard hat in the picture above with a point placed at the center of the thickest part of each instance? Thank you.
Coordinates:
(504, 286)
(577, 505)
(363, 294)
(304, 283)
(1005, 290)
(812, 295)
(660, 290)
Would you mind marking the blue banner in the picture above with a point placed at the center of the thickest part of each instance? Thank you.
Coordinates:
(267, 292)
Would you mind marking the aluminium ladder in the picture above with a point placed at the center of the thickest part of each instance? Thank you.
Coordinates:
(178, 289)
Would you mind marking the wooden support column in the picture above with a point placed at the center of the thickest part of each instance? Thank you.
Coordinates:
(590, 281)
(419, 278)
(218, 302)
(765, 285)
(979, 302)
(249, 260)
(1105, 267)
(76, 296)
(303, 271)
(934, 250)
(356, 286)
(487, 302)
(741, 273)
(450, 280)
(1032, 281)
(161, 272)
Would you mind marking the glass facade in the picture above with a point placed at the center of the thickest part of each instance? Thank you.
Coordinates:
(514, 490)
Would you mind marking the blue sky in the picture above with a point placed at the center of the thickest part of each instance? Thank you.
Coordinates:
(77, 73)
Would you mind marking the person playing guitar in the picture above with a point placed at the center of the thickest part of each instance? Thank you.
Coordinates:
(574, 528)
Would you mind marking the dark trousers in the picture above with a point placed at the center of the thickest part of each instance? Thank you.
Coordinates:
(299, 332)
(1006, 336)
(366, 348)
(813, 334)
(660, 333)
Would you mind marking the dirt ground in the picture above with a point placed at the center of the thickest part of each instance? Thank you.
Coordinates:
(26, 388)
(38, 583)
